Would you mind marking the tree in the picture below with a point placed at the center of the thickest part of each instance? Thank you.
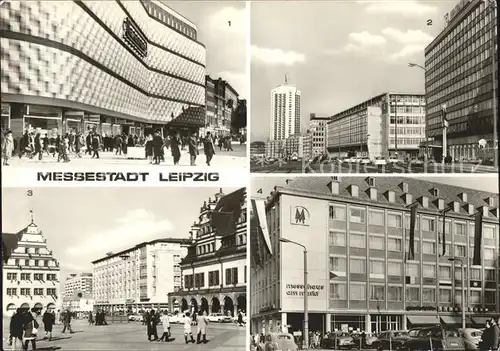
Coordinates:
(239, 116)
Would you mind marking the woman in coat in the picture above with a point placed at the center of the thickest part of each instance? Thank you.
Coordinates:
(38, 146)
(48, 319)
(16, 329)
(7, 148)
(30, 326)
(193, 149)
(175, 144)
(208, 148)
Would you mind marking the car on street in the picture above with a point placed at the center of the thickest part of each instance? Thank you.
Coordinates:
(435, 338)
(338, 341)
(135, 318)
(393, 160)
(235, 318)
(379, 161)
(219, 318)
(278, 342)
(391, 340)
(472, 338)
(177, 318)
(416, 162)
(365, 161)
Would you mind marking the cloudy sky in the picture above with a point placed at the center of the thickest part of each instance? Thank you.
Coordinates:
(483, 182)
(82, 224)
(338, 53)
(222, 28)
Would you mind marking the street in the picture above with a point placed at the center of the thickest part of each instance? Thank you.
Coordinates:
(221, 160)
(132, 336)
(299, 167)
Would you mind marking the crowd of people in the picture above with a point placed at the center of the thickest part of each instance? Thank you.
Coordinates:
(34, 144)
(24, 327)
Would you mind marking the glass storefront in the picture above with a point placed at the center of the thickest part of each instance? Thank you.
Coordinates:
(5, 121)
(44, 125)
(89, 125)
(106, 129)
(382, 323)
(73, 126)
(116, 129)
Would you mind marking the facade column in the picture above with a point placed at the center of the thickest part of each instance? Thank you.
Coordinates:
(328, 322)
(284, 322)
(368, 323)
(403, 323)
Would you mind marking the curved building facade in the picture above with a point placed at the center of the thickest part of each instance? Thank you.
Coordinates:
(115, 65)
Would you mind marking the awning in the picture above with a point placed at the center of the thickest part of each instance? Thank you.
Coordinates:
(423, 320)
(480, 320)
(190, 117)
(452, 319)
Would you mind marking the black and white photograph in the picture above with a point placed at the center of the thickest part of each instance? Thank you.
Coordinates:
(374, 87)
(99, 84)
(134, 269)
(374, 263)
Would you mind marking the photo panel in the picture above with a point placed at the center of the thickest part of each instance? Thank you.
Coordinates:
(365, 262)
(119, 268)
(123, 85)
(374, 87)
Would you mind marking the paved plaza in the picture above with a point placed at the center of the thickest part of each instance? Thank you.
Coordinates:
(222, 159)
(132, 336)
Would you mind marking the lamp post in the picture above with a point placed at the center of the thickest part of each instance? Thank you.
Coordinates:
(456, 259)
(411, 64)
(306, 311)
(445, 133)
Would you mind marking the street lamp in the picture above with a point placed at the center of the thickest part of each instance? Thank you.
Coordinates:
(411, 64)
(306, 312)
(456, 259)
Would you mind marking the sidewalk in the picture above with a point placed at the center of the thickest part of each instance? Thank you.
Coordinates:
(221, 160)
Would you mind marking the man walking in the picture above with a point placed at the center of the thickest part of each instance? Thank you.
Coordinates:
(165, 321)
(202, 328)
(187, 328)
(49, 319)
(208, 148)
(67, 322)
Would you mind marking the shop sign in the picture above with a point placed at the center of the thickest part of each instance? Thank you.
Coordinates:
(135, 38)
(298, 290)
(299, 215)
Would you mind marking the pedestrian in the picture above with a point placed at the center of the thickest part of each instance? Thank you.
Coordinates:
(7, 147)
(16, 329)
(145, 317)
(175, 142)
(149, 151)
(208, 148)
(91, 318)
(187, 328)
(240, 319)
(486, 338)
(157, 148)
(193, 149)
(67, 322)
(48, 322)
(30, 328)
(495, 335)
(201, 335)
(165, 322)
(152, 323)
(38, 146)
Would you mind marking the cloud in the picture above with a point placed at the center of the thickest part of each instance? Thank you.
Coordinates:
(408, 37)
(74, 267)
(406, 7)
(408, 50)
(229, 20)
(276, 56)
(134, 227)
(366, 39)
(237, 80)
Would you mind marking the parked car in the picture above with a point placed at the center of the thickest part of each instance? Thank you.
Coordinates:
(391, 340)
(177, 318)
(135, 318)
(393, 160)
(436, 338)
(414, 332)
(379, 161)
(278, 342)
(365, 161)
(416, 162)
(472, 338)
(219, 318)
(338, 340)
(235, 318)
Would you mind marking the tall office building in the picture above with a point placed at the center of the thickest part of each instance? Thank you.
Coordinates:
(317, 129)
(77, 284)
(285, 112)
(459, 75)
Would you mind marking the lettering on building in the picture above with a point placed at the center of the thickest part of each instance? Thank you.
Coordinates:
(298, 290)
(299, 215)
(135, 38)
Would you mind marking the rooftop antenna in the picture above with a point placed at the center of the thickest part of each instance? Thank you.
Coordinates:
(286, 80)
(31, 215)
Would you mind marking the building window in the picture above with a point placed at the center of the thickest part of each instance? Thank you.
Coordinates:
(377, 267)
(51, 292)
(337, 239)
(45, 263)
(38, 276)
(412, 294)
(357, 266)
(188, 281)
(429, 271)
(395, 293)
(377, 243)
(357, 240)
(199, 280)
(357, 215)
(357, 292)
(394, 244)
(37, 250)
(428, 225)
(38, 291)
(475, 297)
(428, 248)
(25, 292)
(489, 254)
(394, 268)
(489, 232)
(412, 270)
(51, 277)
(460, 250)
(429, 295)
(489, 275)
(489, 297)
(445, 295)
(25, 276)
(337, 213)
(377, 292)
(231, 276)
(338, 291)
(460, 229)
(376, 218)
(11, 291)
(36, 263)
(394, 220)
(338, 264)
(445, 272)
(11, 276)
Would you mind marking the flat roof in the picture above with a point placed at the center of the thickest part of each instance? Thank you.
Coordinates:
(173, 12)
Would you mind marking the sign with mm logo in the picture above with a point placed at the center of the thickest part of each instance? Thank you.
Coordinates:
(299, 215)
